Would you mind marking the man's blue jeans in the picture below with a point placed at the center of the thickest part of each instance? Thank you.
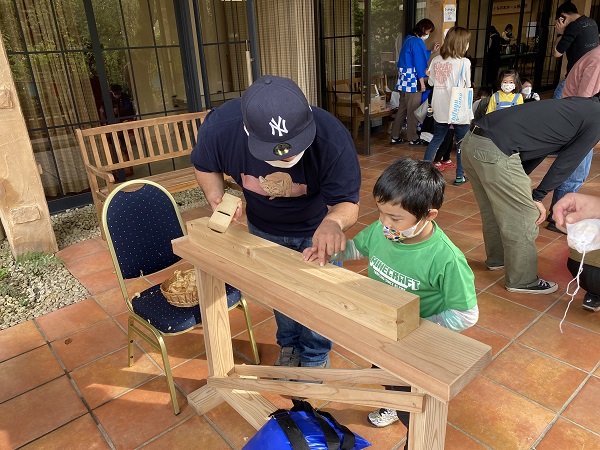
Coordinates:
(312, 347)
(576, 179)
(439, 133)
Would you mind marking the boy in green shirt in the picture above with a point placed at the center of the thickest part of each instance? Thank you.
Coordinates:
(406, 249)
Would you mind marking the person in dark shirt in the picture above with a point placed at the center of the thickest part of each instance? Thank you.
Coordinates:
(576, 35)
(299, 172)
(499, 152)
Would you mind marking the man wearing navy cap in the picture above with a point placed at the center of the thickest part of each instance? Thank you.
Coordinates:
(300, 176)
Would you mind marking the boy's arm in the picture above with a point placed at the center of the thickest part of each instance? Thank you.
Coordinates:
(456, 320)
(350, 253)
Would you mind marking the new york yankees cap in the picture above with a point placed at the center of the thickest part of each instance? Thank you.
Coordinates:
(278, 119)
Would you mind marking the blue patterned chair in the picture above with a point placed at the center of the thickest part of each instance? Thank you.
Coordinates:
(140, 218)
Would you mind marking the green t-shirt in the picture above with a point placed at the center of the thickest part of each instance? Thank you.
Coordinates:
(435, 269)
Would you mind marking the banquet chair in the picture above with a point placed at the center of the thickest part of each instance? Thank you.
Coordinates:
(140, 218)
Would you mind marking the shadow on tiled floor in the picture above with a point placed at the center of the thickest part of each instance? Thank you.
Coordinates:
(66, 383)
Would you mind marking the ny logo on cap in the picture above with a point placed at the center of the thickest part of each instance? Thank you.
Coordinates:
(278, 126)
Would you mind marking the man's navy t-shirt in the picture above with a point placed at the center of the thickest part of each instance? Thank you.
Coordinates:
(282, 202)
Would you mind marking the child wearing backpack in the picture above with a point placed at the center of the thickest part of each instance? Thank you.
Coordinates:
(509, 93)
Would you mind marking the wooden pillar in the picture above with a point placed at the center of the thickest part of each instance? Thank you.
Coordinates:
(24, 211)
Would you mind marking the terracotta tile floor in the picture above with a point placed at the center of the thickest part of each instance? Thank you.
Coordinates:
(65, 382)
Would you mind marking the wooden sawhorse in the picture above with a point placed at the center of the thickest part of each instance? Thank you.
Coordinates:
(436, 362)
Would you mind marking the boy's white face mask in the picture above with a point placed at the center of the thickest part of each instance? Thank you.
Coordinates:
(584, 237)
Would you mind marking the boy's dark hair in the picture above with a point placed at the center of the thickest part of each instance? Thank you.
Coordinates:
(526, 80)
(566, 8)
(422, 26)
(417, 186)
(485, 90)
(514, 73)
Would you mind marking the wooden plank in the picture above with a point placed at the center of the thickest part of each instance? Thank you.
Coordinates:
(393, 313)
(129, 146)
(159, 140)
(215, 320)
(117, 144)
(143, 123)
(439, 361)
(149, 144)
(186, 133)
(428, 430)
(177, 133)
(223, 214)
(349, 376)
(250, 405)
(97, 161)
(168, 137)
(204, 399)
(106, 149)
(375, 398)
(138, 142)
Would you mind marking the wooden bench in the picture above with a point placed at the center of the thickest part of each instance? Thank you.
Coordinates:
(342, 306)
(346, 102)
(106, 150)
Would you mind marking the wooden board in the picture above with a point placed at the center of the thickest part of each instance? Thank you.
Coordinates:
(389, 311)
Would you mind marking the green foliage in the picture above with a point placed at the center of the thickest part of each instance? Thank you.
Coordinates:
(36, 261)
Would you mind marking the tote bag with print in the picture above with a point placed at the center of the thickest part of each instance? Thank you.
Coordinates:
(460, 111)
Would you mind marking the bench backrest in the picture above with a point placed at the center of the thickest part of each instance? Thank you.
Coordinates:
(137, 142)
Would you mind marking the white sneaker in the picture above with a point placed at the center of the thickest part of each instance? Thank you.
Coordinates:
(383, 417)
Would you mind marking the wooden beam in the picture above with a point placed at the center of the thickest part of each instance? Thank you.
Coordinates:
(376, 398)
(384, 309)
(24, 210)
(204, 399)
(250, 405)
(349, 376)
(428, 430)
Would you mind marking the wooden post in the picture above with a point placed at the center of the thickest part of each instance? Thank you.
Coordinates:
(23, 208)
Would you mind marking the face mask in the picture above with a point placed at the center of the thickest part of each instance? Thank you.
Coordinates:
(526, 90)
(286, 164)
(424, 37)
(399, 236)
(584, 237)
(507, 87)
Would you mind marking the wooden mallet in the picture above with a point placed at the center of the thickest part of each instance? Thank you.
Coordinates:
(222, 216)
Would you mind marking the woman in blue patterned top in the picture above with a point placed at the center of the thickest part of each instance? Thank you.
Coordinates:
(412, 64)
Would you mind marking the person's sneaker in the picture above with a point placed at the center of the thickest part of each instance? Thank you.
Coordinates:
(439, 166)
(394, 141)
(289, 357)
(383, 417)
(324, 365)
(418, 142)
(552, 227)
(449, 164)
(542, 287)
(591, 302)
(500, 267)
(459, 181)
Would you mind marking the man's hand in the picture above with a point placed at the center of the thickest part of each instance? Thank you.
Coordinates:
(560, 25)
(436, 47)
(327, 240)
(542, 209)
(575, 207)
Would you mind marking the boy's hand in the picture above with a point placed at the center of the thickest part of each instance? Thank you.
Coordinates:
(311, 253)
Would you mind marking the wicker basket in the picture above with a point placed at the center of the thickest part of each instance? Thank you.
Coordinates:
(180, 289)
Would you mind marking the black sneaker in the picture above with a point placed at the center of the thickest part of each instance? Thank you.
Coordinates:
(394, 141)
(591, 302)
(459, 181)
(541, 287)
(552, 227)
(418, 142)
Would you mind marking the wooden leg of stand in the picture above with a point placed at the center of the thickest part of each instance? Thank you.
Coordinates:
(428, 429)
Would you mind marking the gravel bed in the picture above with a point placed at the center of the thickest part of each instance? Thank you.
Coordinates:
(37, 284)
